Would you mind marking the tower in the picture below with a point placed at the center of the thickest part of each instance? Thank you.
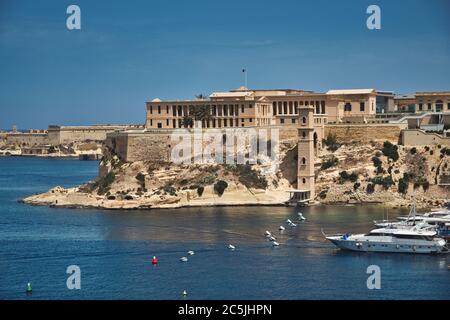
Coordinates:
(305, 162)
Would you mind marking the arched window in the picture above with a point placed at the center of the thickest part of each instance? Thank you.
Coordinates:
(303, 160)
(304, 120)
(303, 134)
(348, 107)
(304, 181)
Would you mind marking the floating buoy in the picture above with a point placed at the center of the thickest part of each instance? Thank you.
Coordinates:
(154, 260)
(191, 253)
(275, 244)
(231, 247)
(29, 288)
(184, 259)
(281, 228)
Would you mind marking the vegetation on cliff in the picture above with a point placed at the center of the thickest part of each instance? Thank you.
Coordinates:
(383, 173)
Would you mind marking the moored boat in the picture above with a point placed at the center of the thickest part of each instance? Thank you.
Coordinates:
(412, 240)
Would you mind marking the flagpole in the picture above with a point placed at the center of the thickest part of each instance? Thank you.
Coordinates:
(245, 76)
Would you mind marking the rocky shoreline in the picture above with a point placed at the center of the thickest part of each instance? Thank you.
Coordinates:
(59, 197)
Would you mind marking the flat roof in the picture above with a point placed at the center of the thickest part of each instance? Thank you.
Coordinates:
(432, 93)
(229, 94)
(352, 91)
(405, 96)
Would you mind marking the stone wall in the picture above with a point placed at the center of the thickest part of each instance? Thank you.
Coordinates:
(365, 133)
(68, 134)
(139, 146)
(421, 138)
(157, 144)
(26, 139)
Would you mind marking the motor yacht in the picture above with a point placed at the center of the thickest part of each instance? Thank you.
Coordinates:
(411, 240)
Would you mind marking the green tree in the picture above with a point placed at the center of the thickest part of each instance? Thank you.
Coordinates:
(220, 186)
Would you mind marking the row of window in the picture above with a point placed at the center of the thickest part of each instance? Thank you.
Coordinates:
(439, 106)
(214, 123)
(291, 107)
(348, 107)
(215, 110)
(293, 120)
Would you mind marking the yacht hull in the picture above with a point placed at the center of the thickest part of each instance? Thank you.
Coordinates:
(387, 247)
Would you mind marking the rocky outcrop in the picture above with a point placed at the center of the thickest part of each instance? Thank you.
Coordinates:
(146, 184)
(373, 173)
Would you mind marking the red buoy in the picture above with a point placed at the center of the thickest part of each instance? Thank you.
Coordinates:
(154, 260)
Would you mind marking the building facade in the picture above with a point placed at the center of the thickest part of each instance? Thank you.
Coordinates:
(433, 101)
(249, 108)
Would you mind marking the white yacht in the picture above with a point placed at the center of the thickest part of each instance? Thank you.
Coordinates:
(432, 214)
(410, 240)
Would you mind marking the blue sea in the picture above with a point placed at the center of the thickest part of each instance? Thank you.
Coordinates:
(113, 249)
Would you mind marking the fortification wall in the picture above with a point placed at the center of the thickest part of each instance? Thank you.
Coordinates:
(67, 134)
(365, 133)
(26, 139)
(421, 138)
(157, 144)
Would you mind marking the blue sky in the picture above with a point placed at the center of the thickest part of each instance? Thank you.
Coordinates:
(128, 52)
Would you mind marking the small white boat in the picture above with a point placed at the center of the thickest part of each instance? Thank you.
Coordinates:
(301, 217)
(191, 253)
(281, 228)
(184, 259)
(288, 221)
(275, 244)
(267, 233)
(272, 239)
(293, 225)
(231, 247)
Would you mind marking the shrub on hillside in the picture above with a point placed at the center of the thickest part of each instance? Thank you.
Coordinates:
(200, 190)
(403, 185)
(344, 176)
(386, 181)
(390, 150)
(220, 186)
(104, 184)
(331, 142)
(328, 163)
(376, 162)
(323, 194)
(141, 178)
(251, 178)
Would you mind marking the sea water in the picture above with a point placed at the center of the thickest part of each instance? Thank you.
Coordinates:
(114, 248)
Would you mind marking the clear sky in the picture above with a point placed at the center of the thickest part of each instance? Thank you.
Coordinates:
(128, 52)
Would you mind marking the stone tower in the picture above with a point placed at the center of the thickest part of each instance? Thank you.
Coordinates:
(305, 167)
